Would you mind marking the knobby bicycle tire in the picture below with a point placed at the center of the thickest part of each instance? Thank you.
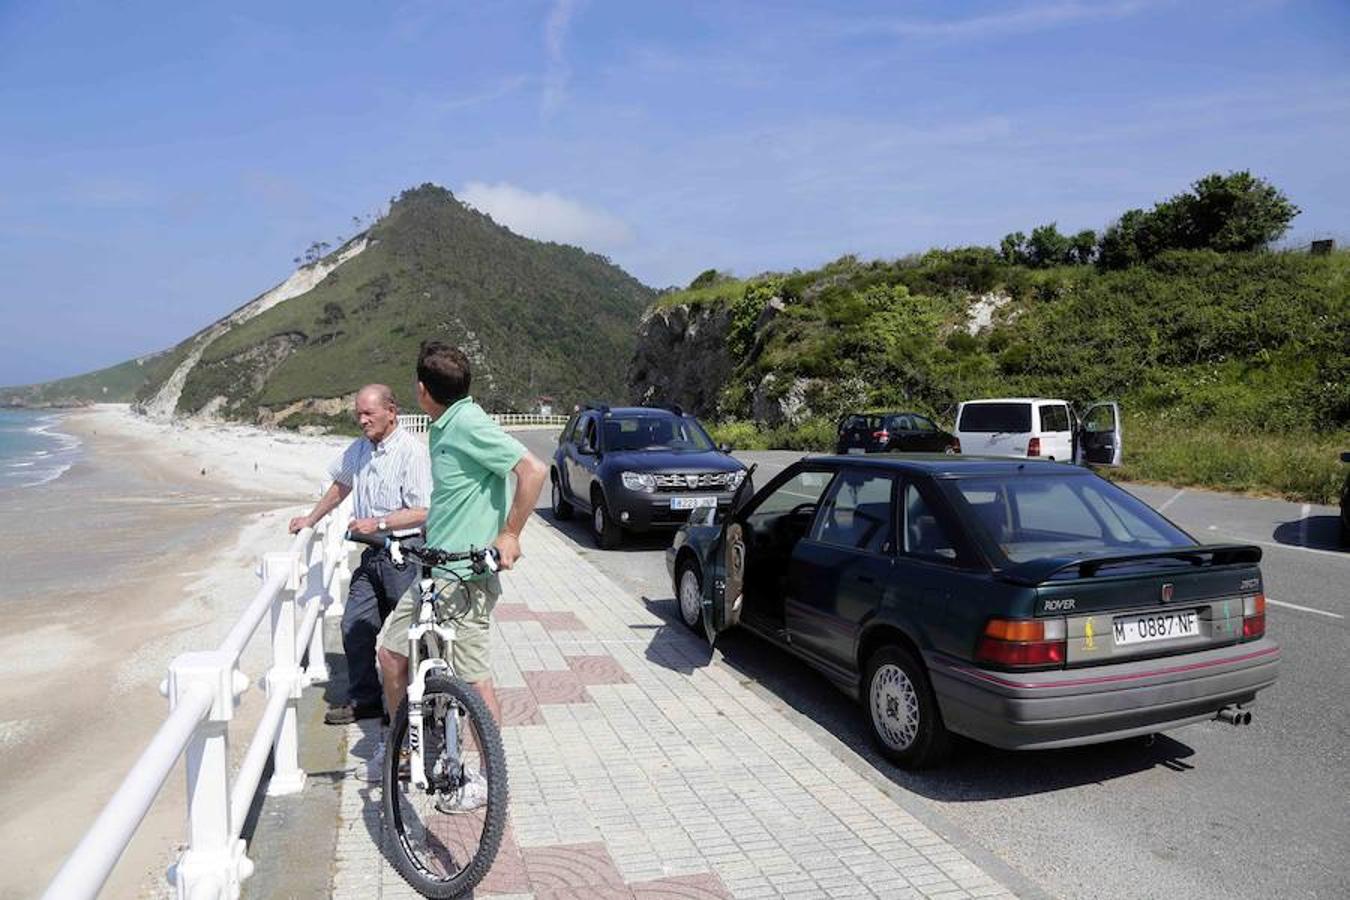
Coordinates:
(493, 764)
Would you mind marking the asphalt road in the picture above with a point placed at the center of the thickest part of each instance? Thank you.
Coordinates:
(1210, 810)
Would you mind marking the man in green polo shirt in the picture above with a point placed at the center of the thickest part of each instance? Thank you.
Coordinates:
(471, 459)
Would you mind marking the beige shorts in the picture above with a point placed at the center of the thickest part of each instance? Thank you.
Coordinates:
(470, 603)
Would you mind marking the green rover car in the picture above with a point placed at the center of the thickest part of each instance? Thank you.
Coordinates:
(1020, 603)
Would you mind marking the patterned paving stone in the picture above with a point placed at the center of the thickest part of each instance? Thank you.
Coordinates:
(641, 768)
(556, 687)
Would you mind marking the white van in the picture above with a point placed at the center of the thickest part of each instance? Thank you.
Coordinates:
(1040, 428)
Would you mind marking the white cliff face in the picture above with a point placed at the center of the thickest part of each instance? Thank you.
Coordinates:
(301, 281)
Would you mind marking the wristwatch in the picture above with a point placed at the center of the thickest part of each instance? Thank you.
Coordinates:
(384, 524)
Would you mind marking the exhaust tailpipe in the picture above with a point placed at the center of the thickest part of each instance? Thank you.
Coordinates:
(1234, 715)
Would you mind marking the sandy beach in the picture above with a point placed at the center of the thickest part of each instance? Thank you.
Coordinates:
(144, 549)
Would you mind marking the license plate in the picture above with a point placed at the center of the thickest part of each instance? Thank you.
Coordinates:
(692, 502)
(1143, 628)
(859, 450)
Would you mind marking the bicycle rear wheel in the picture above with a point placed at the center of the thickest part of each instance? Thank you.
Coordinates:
(438, 846)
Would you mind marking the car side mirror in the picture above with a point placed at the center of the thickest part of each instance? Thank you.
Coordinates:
(725, 447)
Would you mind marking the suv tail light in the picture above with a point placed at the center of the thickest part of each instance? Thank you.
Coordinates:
(881, 435)
(1253, 616)
(1034, 447)
(1023, 642)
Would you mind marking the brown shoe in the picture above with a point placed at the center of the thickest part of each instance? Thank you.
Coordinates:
(349, 712)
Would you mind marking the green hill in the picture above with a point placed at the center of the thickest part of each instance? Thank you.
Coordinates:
(115, 384)
(1232, 367)
(536, 318)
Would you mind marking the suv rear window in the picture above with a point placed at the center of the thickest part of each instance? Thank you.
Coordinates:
(1054, 418)
(988, 418)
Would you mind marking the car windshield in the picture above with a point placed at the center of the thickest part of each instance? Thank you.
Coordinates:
(989, 418)
(1026, 517)
(655, 432)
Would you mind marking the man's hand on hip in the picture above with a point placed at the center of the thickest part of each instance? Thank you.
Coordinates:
(508, 545)
(363, 526)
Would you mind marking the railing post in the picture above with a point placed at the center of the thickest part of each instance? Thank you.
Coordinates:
(213, 864)
(285, 675)
(316, 669)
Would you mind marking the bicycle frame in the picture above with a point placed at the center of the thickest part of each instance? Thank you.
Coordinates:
(442, 635)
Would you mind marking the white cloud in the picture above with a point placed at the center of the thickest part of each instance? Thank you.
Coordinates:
(557, 72)
(547, 216)
(1033, 17)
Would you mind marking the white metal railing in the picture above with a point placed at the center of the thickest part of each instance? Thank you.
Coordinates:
(203, 690)
(417, 423)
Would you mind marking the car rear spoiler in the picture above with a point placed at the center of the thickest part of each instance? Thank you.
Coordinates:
(1039, 571)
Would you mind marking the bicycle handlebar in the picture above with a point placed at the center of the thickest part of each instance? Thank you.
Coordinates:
(487, 559)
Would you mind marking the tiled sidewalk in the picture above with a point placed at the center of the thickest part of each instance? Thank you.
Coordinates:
(641, 769)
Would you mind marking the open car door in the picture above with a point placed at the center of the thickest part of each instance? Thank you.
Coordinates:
(1099, 435)
(728, 592)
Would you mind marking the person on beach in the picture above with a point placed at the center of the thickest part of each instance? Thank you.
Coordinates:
(471, 460)
(390, 473)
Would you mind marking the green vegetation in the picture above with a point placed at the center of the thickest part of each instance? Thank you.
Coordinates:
(537, 318)
(1232, 366)
(115, 384)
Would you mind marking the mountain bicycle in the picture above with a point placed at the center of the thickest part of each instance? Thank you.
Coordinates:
(443, 746)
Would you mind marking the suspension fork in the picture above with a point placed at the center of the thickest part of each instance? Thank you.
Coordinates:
(443, 636)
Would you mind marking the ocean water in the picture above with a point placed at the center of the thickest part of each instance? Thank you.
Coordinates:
(33, 449)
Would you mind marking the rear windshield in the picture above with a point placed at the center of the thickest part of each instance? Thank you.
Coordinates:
(861, 423)
(654, 432)
(1026, 517)
(995, 417)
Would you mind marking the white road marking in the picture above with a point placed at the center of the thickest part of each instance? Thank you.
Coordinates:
(1172, 499)
(1320, 612)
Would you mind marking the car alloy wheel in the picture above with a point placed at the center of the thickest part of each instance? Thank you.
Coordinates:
(598, 519)
(895, 707)
(902, 710)
(691, 597)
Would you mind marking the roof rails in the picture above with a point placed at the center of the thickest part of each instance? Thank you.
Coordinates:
(675, 408)
(598, 407)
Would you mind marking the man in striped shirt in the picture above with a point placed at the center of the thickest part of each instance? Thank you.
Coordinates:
(388, 474)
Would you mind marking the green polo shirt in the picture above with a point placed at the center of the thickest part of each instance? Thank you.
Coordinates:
(471, 458)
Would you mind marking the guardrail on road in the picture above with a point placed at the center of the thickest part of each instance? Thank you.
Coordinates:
(417, 423)
(204, 688)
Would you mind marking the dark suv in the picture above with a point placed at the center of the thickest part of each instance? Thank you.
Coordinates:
(638, 468)
(889, 432)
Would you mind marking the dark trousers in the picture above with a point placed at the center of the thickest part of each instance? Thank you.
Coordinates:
(377, 584)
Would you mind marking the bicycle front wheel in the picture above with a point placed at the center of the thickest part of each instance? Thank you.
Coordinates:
(445, 837)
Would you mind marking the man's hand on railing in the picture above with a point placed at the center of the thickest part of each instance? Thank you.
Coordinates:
(299, 524)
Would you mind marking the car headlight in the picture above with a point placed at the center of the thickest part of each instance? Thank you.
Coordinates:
(639, 481)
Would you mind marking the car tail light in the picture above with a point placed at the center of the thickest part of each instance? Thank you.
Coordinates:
(1253, 616)
(1034, 447)
(1023, 642)
(881, 435)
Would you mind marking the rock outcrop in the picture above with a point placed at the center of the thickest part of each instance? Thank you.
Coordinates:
(681, 358)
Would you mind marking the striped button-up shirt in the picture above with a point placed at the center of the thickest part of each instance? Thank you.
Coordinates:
(385, 477)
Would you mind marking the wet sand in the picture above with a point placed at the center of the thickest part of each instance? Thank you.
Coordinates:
(130, 558)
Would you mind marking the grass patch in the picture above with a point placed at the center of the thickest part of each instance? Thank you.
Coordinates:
(1303, 466)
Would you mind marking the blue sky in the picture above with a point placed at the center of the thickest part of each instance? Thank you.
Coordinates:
(162, 163)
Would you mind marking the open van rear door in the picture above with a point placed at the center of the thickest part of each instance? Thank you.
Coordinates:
(1099, 435)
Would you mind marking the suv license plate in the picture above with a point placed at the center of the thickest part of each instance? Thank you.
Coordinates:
(1147, 627)
(692, 502)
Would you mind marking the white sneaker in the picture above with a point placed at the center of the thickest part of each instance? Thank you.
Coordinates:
(471, 795)
(372, 770)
